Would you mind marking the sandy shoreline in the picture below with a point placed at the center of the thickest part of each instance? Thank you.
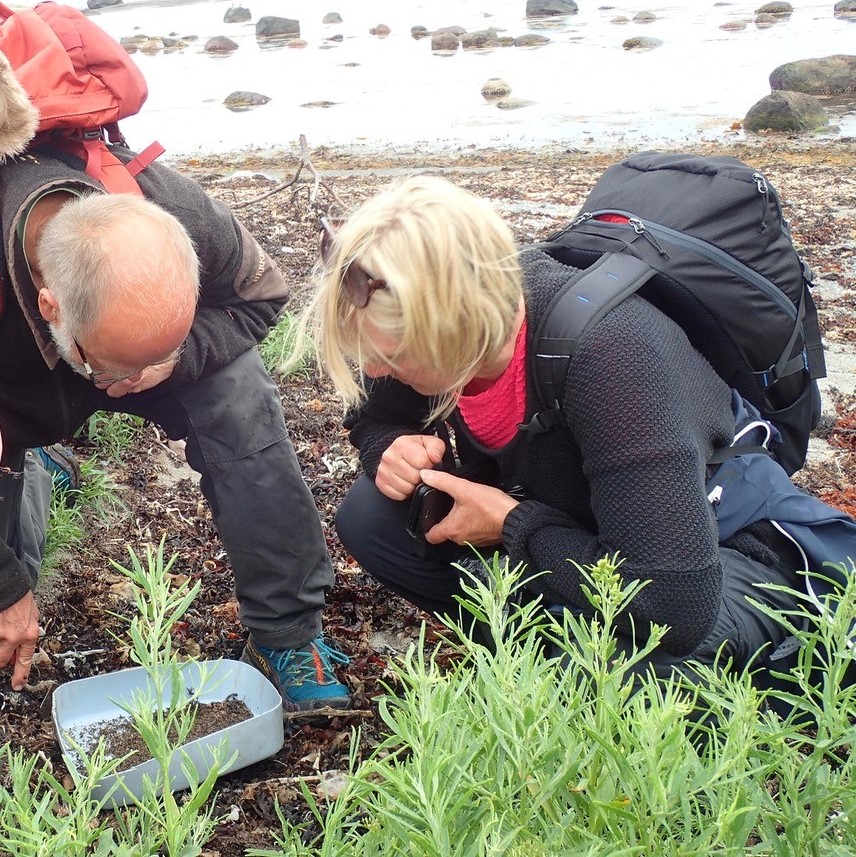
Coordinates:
(800, 151)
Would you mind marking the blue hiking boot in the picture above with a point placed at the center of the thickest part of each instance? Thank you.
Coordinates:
(305, 678)
(62, 465)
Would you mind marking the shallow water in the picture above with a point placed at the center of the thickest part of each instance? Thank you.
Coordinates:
(588, 92)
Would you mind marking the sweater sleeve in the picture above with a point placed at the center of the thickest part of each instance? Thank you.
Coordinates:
(15, 581)
(641, 404)
(391, 409)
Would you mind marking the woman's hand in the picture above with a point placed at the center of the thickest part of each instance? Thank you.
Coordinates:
(477, 516)
(402, 461)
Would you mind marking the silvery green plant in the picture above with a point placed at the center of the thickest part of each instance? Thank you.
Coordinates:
(556, 740)
(40, 817)
(163, 713)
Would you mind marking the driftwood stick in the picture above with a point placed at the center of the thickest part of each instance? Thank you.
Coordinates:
(305, 163)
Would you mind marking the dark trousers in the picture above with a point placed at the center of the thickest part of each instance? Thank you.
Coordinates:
(372, 528)
(265, 514)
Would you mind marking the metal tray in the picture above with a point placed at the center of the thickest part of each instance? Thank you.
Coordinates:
(80, 705)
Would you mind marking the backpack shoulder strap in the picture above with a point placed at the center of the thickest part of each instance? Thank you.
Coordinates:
(580, 303)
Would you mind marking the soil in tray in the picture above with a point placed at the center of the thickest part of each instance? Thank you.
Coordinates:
(121, 738)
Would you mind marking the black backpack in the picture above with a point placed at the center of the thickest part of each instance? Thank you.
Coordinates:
(705, 241)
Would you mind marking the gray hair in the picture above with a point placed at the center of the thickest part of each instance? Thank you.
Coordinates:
(102, 248)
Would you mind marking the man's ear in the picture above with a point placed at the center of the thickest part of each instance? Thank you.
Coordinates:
(48, 306)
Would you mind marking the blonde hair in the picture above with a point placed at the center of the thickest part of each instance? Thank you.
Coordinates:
(453, 286)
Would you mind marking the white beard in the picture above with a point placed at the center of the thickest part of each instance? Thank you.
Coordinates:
(65, 346)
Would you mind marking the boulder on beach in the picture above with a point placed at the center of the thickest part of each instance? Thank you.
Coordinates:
(220, 45)
(454, 28)
(786, 111)
(236, 14)
(241, 100)
(271, 26)
(821, 76)
(548, 8)
(332, 18)
(420, 31)
(778, 7)
(495, 87)
(845, 9)
(641, 43)
(101, 4)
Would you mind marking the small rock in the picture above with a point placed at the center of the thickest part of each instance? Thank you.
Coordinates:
(513, 103)
(764, 20)
(419, 32)
(323, 104)
(102, 4)
(845, 9)
(778, 7)
(220, 45)
(495, 87)
(644, 17)
(549, 8)
(332, 18)
(242, 100)
(337, 38)
(445, 42)
(236, 14)
(296, 43)
(641, 43)
(733, 25)
(381, 30)
(271, 26)
(478, 39)
(530, 40)
(620, 19)
(457, 30)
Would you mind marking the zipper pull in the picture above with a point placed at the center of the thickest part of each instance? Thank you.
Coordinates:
(586, 215)
(639, 229)
(715, 496)
(763, 189)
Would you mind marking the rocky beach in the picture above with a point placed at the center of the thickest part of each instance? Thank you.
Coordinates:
(538, 190)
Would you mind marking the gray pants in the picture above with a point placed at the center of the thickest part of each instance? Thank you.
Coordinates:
(265, 514)
(28, 531)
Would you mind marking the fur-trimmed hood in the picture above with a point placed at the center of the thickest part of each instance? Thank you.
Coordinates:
(18, 117)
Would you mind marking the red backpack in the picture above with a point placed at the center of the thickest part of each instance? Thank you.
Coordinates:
(82, 82)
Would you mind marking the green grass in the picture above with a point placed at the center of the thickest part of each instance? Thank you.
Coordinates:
(112, 434)
(73, 511)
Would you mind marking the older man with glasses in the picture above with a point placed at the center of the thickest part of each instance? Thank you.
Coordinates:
(153, 305)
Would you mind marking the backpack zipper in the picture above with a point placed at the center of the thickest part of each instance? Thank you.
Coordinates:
(653, 231)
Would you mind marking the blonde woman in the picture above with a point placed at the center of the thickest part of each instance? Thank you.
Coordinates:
(425, 291)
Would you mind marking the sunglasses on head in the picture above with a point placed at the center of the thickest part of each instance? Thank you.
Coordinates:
(358, 283)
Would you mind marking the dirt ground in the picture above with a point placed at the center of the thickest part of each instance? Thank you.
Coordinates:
(537, 191)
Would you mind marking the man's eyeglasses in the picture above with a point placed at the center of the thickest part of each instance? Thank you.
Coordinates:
(358, 283)
(101, 378)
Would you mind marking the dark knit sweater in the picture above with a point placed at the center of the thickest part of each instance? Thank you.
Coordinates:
(644, 412)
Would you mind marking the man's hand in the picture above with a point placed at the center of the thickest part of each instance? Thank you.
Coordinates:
(19, 633)
(149, 377)
(398, 473)
(477, 516)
